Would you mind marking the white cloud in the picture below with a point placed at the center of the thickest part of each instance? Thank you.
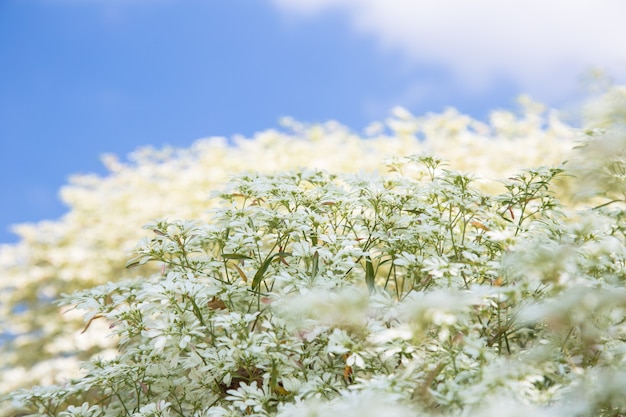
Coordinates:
(542, 45)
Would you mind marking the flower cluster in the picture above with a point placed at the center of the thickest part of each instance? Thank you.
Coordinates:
(42, 343)
(377, 283)
(308, 292)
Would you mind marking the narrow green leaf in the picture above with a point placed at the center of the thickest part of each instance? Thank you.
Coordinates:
(196, 310)
(316, 266)
(234, 256)
(135, 262)
(132, 264)
(273, 377)
(258, 277)
(369, 273)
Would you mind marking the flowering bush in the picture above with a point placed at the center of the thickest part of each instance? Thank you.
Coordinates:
(412, 290)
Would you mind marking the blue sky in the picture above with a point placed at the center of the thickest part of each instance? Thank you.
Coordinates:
(80, 78)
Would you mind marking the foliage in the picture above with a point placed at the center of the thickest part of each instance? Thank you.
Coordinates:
(89, 246)
(412, 290)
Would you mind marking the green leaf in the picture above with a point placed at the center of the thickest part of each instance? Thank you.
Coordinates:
(369, 273)
(316, 265)
(135, 262)
(258, 277)
(273, 376)
(234, 256)
(132, 264)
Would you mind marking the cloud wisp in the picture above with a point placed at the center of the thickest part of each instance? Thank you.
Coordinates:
(543, 47)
